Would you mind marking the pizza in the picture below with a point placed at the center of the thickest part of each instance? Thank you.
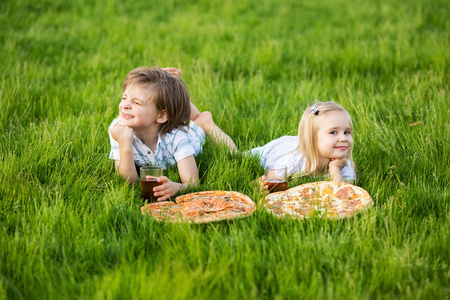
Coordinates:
(202, 207)
(326, 199)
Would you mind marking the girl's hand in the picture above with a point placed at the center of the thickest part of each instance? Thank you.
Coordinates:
(334, 167)
(263, 184)
(337, 163)
(122, 134)
(167, 189)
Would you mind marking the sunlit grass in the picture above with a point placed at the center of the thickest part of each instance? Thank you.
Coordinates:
(72, 228)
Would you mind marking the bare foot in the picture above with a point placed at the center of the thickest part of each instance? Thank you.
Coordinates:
(205, 121)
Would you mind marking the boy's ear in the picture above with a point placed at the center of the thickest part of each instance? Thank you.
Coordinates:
(162, 117)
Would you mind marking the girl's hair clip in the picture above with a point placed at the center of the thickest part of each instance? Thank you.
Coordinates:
(315, 110)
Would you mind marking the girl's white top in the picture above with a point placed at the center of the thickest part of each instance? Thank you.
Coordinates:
(171, 147)
(280, 152)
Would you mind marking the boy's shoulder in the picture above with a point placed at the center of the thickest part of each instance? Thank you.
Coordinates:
(176, 134)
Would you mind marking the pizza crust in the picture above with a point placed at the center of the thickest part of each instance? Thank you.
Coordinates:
(202, 207)
(325, 199)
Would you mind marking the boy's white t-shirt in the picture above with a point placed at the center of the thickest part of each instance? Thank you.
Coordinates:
(280, 152)
(170, 148)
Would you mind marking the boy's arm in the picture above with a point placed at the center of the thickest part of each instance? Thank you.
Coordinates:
(187, 168)
(125, 166)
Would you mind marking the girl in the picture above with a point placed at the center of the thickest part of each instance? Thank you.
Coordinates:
(323, 145)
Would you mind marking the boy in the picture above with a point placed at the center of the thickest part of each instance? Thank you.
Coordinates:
(152, 128)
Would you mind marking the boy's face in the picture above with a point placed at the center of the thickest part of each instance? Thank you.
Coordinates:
(334, 137)
(137, 110)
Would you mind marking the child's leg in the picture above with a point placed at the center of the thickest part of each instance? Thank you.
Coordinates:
(206, 122)
(194, 112)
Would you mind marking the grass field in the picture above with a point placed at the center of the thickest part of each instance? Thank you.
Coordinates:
(70, 228)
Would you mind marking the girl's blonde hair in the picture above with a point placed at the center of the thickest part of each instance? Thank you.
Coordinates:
(307, 134)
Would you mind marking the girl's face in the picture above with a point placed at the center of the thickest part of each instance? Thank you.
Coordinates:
(334, 138)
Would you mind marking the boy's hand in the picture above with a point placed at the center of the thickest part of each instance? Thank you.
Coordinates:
(167, 189)
(173, 71)
(122, 134)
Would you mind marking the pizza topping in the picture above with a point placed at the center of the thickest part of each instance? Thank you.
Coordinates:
(309, 193)
(202, 207)
(322, 199)
(328, 190)
(345, 193)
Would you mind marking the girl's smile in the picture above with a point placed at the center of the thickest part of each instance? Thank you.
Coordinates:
(334, 137)
(342, 147)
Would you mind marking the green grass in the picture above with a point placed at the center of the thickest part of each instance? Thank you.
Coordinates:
(71, 228)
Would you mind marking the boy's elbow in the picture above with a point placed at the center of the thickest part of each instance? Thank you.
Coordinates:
(134, 180)
(194, 182)
(130, 179)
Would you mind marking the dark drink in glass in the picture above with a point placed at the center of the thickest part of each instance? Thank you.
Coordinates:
(149, 179)
(147, 189)
(276, 178)
(277, 185)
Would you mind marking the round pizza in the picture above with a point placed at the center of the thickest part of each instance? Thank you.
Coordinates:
(202, 207)
(329, 199)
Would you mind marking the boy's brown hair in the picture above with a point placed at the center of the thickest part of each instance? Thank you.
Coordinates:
(168, 91)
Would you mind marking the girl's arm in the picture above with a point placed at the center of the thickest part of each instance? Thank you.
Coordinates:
(125, 166)
(334, 168)
(187, 167)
